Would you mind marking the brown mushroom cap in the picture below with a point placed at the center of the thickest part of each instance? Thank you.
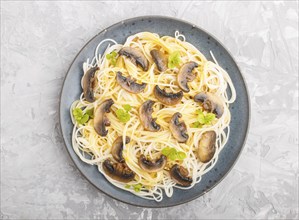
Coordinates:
(185, 75)
(136, 56)
(145, 114)
(100, 118)
(129, 84)
(118, 171)
(160, 60)
(178, 129)
(88, 81)
(180, 175)
(206, 146)
(167, 98)
(117, 148)
(210, 103)
(152, 166)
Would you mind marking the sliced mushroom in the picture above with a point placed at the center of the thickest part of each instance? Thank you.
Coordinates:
(145, 114)
(152, 166)
(178, 129)
(167, 98)
(160, 60)
(210, 103)
(185, 75)
(129, 83)
(88, 81)
(206, 146)
(136, 56)
(118, 171)
(100, 118)
(117, 148)
(180, 175)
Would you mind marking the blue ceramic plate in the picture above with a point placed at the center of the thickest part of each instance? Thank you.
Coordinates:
(204, 42)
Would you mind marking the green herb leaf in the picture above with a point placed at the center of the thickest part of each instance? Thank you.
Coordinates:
(174, 59)
(172, 151)
(89, 112)
(84, 119)
(173, 154)
(137, 187)
(198, 111)
(203, 119)
(113, 54)
(127, 107)
(209, 118)
(112, 57)
(80, 117)
(77, 112)
(122, 115)
(181, 156)
(127, 186)
(165, 151)
(196, 125)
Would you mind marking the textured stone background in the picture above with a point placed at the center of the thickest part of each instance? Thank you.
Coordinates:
(40, 39)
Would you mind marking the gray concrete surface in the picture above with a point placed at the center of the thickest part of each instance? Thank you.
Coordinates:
(40, 39)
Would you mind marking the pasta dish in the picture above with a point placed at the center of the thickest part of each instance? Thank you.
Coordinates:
(153, 115)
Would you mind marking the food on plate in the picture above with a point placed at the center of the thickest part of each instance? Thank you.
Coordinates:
(153, 114)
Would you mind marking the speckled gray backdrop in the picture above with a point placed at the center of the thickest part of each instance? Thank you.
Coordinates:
(40, 39)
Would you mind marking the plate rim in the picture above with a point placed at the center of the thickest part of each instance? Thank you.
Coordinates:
(246, 91)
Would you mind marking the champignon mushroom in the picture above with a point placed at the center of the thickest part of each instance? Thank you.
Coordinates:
(152, 165)
(180, 175)
(100, 118)
(129, 84)
(117, 148)
(178, 129)
(160, 60)
(136, 56)
(118, 171)
(88, 81)
(167, 98)
(206, 146)
(210, 103)
(145, 114)
(185, 75)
